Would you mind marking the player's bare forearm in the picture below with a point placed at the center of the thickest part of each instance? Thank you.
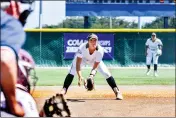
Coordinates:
(80, 78)
(78, 68)
(79, 74)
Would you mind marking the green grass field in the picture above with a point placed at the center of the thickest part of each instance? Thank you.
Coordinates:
(55, 77)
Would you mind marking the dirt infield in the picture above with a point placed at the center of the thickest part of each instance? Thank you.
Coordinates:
(139, 101)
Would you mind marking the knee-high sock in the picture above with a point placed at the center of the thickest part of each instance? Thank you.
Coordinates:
(68, 81)
(148, 66)
(155, 67)
(111, 82)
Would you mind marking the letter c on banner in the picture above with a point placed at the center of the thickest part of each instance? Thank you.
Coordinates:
(69, 42)
(72, 42)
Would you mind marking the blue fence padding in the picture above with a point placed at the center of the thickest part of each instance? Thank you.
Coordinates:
(160, 10)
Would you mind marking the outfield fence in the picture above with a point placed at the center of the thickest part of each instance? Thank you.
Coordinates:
(47, 46)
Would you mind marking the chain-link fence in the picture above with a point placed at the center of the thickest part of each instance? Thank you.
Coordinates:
(47, 48)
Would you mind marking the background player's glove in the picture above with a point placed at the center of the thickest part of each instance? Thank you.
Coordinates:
(56, 106)
(89, 82)
(159, 53)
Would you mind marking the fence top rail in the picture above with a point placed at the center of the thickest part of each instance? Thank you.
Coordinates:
(98, 30)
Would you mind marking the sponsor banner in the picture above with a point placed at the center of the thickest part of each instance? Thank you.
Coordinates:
(73, 40)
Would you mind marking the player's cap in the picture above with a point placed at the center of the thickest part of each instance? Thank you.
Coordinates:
(153, 34)
(92, 36)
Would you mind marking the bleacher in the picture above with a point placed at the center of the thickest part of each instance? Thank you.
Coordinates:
(121, 1)
(115, 8)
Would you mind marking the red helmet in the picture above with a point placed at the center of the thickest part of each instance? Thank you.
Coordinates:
(26, 71)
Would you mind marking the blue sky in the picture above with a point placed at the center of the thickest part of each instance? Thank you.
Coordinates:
(54, 13)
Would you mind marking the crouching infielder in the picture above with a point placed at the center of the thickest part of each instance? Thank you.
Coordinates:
(90, 53)
(153, 51)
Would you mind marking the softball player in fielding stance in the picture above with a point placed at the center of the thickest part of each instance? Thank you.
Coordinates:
(153, 51)
(90, 53)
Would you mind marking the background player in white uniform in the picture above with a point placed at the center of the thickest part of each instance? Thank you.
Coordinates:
(23, 96)
(153, 51)
(90, 53)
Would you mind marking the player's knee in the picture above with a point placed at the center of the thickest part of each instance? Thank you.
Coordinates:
(148, 62)
(155, 63)
(105, 72)
(107, 75)
(72, 73)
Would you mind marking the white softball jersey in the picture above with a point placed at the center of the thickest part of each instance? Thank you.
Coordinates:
(152, 50)
(26, 101)
(90, 59)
